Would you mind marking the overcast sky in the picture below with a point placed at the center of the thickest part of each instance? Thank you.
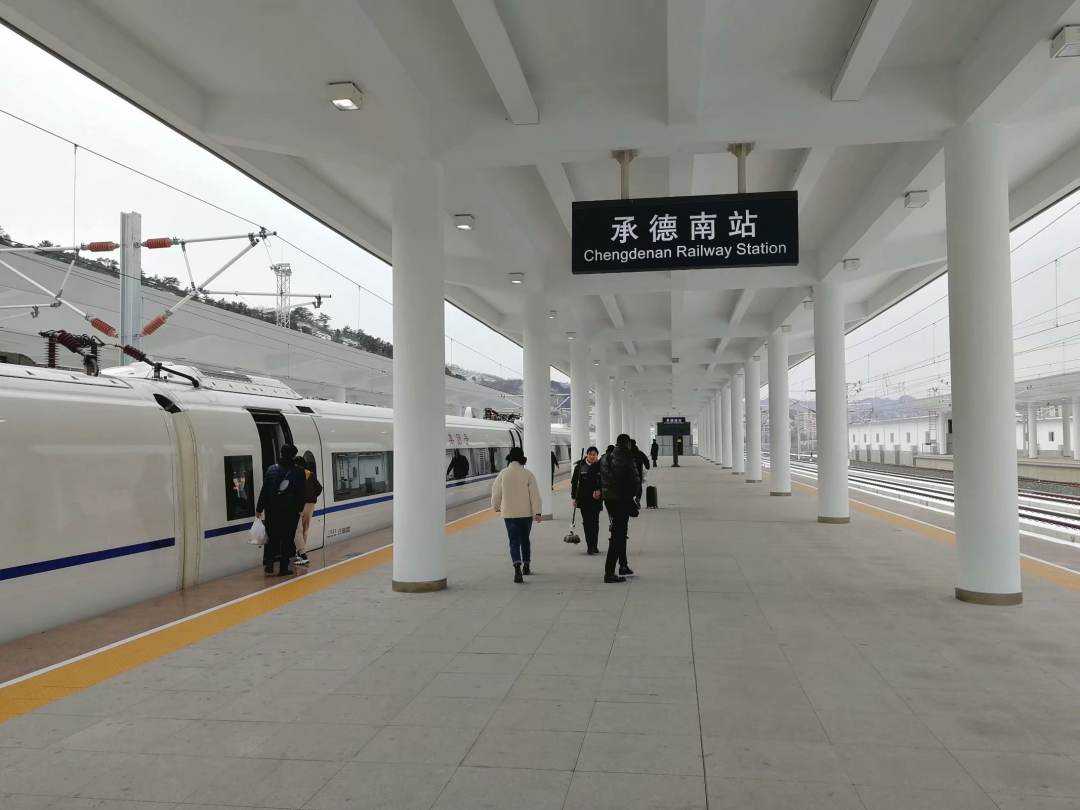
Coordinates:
(905, 350)
(41, 181)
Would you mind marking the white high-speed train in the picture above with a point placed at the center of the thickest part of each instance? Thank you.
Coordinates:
(119, 487)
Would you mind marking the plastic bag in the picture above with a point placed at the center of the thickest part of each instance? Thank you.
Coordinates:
(257, 533)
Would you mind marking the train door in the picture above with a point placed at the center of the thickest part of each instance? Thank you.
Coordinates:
(274, 433)
(305, 435)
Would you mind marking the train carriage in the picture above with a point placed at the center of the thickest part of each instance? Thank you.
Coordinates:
(121, 487)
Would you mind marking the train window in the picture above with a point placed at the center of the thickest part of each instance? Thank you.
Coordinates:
(950, 426)
(459, 465)
(481, 461)
(239, 487)
(498, 457)
(1051, 435)
(359, 474)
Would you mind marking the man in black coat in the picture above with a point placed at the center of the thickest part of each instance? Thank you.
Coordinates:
(654, 451)
(621, 488)
(281, 500)
(586, 492)
(458, 466)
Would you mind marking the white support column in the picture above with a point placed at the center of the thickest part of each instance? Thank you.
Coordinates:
(1066, 429)
(419, 379)
(620, 409)
(831, 384)
(579, 398)
(603, 410)
(718, 427)
(709, 420)
(738, 425)
(942, 430)
(703, 432)
(753, 420)
(537, 386)
(1033, 431)
(981, 359)
(613, 412)
(779, 418)
(1075, 420)
(725, 424)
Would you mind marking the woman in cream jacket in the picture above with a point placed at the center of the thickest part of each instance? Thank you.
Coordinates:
(516, 495)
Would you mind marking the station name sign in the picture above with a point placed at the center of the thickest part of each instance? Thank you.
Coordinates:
(683, 233)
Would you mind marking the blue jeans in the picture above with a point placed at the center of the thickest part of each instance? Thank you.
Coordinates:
(517, 530)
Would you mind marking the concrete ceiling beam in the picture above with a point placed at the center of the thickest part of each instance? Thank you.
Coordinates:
(876, 32)
(492, 43)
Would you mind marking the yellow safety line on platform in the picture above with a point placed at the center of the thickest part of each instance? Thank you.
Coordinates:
(39, 689)
(1058, 575)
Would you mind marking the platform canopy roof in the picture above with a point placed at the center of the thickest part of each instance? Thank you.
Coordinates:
(846, 101)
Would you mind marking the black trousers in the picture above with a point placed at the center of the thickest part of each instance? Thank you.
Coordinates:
(280, 536)
(619, 515)
(590, 522)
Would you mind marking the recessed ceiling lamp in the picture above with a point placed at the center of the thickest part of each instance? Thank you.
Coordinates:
(571, 335)
(345, 96)
(464, 222)
(552, 314)
(916, 199)
(596, 362)
(851, 265)
(516, 278)
(1066, 42)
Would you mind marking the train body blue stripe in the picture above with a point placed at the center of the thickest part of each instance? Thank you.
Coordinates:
(17, 571)
(83, 559)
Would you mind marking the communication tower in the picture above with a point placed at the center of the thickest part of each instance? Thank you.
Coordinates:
(283, 276)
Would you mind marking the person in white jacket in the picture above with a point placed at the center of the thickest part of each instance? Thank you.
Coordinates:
(517, 496)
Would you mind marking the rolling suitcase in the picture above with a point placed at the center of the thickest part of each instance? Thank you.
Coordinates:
(652, 498)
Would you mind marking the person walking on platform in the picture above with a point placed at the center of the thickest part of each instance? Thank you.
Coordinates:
(587, 495)
(641, 461)
(312, 491)
(281, 500)
(654, 451)
(516, 495)
(554, 467)
(621, 488)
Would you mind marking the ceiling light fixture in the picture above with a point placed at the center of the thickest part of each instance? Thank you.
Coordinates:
(571, 335)
(852, 265)
(345, 96)
(551, 314)
(596, 362)
(916, 199)
(516, 278)
(1066, 42)
(464, 222)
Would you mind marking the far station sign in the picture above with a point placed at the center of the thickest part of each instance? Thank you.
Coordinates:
(673, 426)
(683, 233)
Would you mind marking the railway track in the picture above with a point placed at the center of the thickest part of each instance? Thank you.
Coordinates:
(1049, 522)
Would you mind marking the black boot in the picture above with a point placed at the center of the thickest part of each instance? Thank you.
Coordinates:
(525, 569)
(269, 569)
(517, 573)
(625, 571)
(613, 578)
